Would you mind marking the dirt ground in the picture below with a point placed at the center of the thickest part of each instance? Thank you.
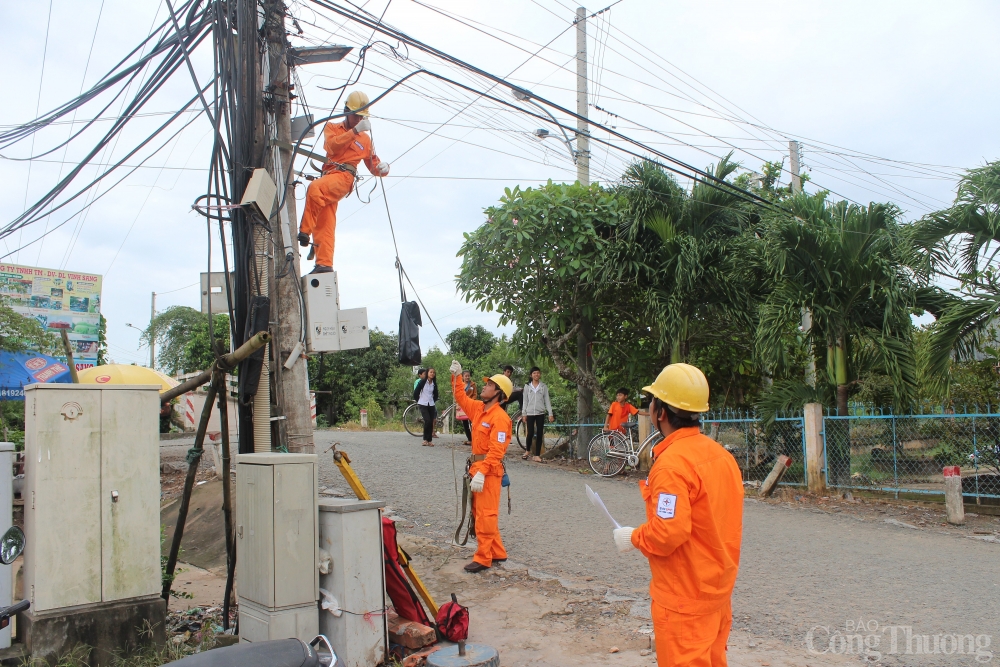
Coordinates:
(567, 597)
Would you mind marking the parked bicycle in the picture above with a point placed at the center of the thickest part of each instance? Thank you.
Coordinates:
(609, 452)
(413, 421)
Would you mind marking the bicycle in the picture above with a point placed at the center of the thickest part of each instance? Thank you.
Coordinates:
(413, 421)
(609, 452)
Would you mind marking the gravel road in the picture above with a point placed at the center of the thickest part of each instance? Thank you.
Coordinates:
(800, 567)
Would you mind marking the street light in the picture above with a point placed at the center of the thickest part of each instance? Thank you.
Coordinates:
(523, 95)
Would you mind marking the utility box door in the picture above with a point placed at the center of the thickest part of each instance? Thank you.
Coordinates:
(130, 494)
(63, 496)
(297, 576)
(255, 532)
(353, 324)
(322, 305)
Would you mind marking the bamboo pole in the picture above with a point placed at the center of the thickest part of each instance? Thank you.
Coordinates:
(69, 357)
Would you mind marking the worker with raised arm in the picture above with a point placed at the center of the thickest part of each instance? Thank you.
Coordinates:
(694, 525)
(346, 144)
(490, 437)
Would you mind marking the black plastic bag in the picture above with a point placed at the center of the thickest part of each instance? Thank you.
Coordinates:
(409, 333)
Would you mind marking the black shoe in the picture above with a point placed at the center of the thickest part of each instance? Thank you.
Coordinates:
(475, 567)
(499, 560)
(319, 268)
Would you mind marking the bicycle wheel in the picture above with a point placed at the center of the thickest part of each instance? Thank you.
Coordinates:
(413, 421)
(607, 453)
(520, 432)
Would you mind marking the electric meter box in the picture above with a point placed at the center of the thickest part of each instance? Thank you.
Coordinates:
(331, 329)
(350, 531)
(276, 545)
(91, 494)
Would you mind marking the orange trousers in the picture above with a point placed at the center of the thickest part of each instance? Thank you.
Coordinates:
(320, 216)
(684, 640)
(486, 509)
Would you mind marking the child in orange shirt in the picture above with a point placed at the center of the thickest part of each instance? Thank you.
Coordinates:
(619, 412)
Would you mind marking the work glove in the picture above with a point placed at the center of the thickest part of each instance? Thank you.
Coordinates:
(623, 538)
(456, 368)
(477, 482)
(364, 126)
(382, 169)
(303, 239)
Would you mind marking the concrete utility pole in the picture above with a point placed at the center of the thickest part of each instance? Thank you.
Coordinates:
(289, 370)
(793, 161)
(585, 338)
(582, 105)
(795, 168)
(152, 340)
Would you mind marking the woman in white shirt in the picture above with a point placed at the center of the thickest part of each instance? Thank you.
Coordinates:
(536, 404)
(426, 396)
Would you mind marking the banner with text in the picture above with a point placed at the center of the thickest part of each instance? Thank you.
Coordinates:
(60, 301)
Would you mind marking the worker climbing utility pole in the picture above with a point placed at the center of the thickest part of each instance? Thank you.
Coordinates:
(795, 168)
(585, 337)
(287, 363)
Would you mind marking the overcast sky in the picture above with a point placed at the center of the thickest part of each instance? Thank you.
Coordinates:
(890, 100)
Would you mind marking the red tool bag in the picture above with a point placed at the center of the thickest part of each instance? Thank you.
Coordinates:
(404, 600)
(453, 621)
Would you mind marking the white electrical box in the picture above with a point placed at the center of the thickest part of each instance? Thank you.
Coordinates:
(350, 531)
(260, 193)
(331, 329)
(259, 624)
(91, 494)
(276, 538)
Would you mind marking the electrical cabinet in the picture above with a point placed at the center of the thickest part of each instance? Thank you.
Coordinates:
(329, 328)
(276, 540)
(92, 494)
(350, 531)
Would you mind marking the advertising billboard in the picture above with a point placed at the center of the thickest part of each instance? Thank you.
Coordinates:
(61, 301)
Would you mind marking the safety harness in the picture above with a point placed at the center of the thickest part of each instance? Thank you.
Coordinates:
(467, 499)
(339, 166)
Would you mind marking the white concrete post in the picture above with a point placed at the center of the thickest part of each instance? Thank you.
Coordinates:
(815, 456)
(953, 495)
(6, 520)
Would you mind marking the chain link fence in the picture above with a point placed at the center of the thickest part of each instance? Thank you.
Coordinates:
(906, 453)
(756, 444)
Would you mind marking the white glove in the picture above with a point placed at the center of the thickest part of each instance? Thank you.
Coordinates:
(456, 368)
(477, 482)
(364, 126)
(623, 538)
(382, 169)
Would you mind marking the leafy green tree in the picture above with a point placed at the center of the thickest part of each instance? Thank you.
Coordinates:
(962, 242)
(855, 270)
(19, 333)
(688, 254)
(471, 342)
(102, 342)
(536, 261)
(182, 336)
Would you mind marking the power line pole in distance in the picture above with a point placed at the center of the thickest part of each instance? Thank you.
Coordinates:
(585, 338)
(795, 168)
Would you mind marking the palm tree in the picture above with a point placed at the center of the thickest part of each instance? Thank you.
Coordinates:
(962, 242)
(853, 268)
(683, 251)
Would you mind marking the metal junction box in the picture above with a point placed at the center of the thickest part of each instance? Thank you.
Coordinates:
(91, 494)
(276, 545)
(350, 531)
(331, 329)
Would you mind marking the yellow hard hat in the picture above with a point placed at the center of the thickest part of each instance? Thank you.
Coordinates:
(682, 386)
(356, 100)
(502, 381)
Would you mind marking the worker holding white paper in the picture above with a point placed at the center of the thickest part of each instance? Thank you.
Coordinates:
(693, 528)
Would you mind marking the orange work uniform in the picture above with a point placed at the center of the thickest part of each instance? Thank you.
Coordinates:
(319, 218)
(619, 414)
(692, 535)
(490, 437)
